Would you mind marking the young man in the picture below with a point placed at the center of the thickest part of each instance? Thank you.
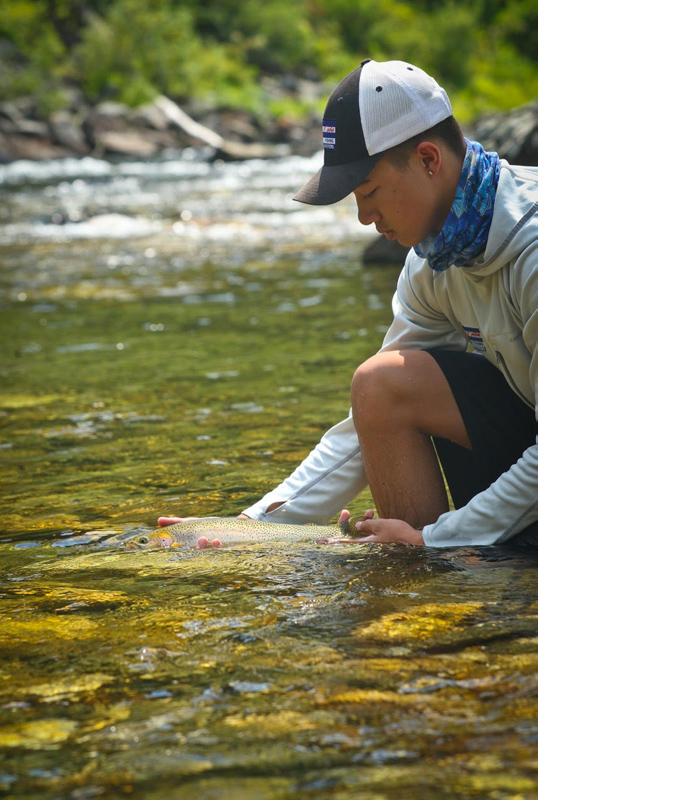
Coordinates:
(469, 283)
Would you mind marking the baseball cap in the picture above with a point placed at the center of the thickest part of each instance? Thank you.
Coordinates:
(378, 105)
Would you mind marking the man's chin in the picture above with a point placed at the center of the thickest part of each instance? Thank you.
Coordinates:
(404, 240)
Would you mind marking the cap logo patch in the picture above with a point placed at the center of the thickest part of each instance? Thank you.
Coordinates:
(328, 134)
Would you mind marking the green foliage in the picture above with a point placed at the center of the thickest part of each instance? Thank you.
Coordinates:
(275, 35)
(453, 26)
(141, 48)
(484, 52)
(39, 55)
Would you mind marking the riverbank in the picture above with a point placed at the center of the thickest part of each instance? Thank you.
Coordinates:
(113, 130)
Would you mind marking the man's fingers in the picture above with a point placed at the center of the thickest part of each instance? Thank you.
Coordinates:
(367, 526)
(165, 521)
(203, 543)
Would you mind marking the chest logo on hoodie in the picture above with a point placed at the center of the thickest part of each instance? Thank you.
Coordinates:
(474, 336)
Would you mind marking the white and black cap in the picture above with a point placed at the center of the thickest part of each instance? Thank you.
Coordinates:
(377, 106)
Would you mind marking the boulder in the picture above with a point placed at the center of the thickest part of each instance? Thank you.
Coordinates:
(128, 143)
(67, 131)
(512, 134)
(14, 147)
(149, 116)
(383, 252)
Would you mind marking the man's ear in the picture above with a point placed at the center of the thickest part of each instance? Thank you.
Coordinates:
(430, 156)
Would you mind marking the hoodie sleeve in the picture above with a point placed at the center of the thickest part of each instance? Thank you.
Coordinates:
(509, 505)
(333, 473)
(324, 483)
(498, 513)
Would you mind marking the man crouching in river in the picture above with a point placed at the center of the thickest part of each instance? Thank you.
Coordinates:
(453, 389)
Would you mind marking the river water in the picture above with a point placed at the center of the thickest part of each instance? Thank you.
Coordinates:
(175, 336)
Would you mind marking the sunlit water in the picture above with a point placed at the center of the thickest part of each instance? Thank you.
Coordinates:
(175, 337)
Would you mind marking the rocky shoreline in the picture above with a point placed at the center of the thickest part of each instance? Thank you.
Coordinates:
(113, 130)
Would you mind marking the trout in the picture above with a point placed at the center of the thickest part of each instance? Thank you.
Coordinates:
(233, 530)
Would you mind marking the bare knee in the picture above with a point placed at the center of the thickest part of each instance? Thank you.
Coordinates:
(387, 382)
(373, 378)
(405, 390)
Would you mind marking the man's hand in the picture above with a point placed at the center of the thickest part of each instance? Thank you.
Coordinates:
(381, 531)
(165, 521)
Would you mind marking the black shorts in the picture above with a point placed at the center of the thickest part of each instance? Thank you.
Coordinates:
(499, 424)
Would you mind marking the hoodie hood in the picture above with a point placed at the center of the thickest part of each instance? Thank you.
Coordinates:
(514, 223)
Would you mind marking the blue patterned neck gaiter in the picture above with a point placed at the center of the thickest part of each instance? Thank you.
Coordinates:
(464, 234)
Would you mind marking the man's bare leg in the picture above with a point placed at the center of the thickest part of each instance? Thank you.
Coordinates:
(399, 400)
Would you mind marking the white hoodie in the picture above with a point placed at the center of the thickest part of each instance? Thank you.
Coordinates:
(491, 304)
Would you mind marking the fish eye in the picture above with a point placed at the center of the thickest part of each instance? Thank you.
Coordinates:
(143, 540)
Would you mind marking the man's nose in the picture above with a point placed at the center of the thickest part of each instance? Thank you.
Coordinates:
(367, 214)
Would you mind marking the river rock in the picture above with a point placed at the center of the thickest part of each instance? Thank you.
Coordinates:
(24, 138)
(126, 143)
(149, 116)
(18, 147)
(113, 128)
(67, 131)
(233, 125)
(512, 134)
(383, 252)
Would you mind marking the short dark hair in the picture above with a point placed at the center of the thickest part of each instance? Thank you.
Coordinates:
(447, 131)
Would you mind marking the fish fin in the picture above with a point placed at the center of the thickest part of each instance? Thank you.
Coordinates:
(348, 528)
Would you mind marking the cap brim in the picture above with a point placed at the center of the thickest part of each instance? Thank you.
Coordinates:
(332, 184)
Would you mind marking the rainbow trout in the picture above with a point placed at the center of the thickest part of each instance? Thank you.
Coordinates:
(233, 530)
